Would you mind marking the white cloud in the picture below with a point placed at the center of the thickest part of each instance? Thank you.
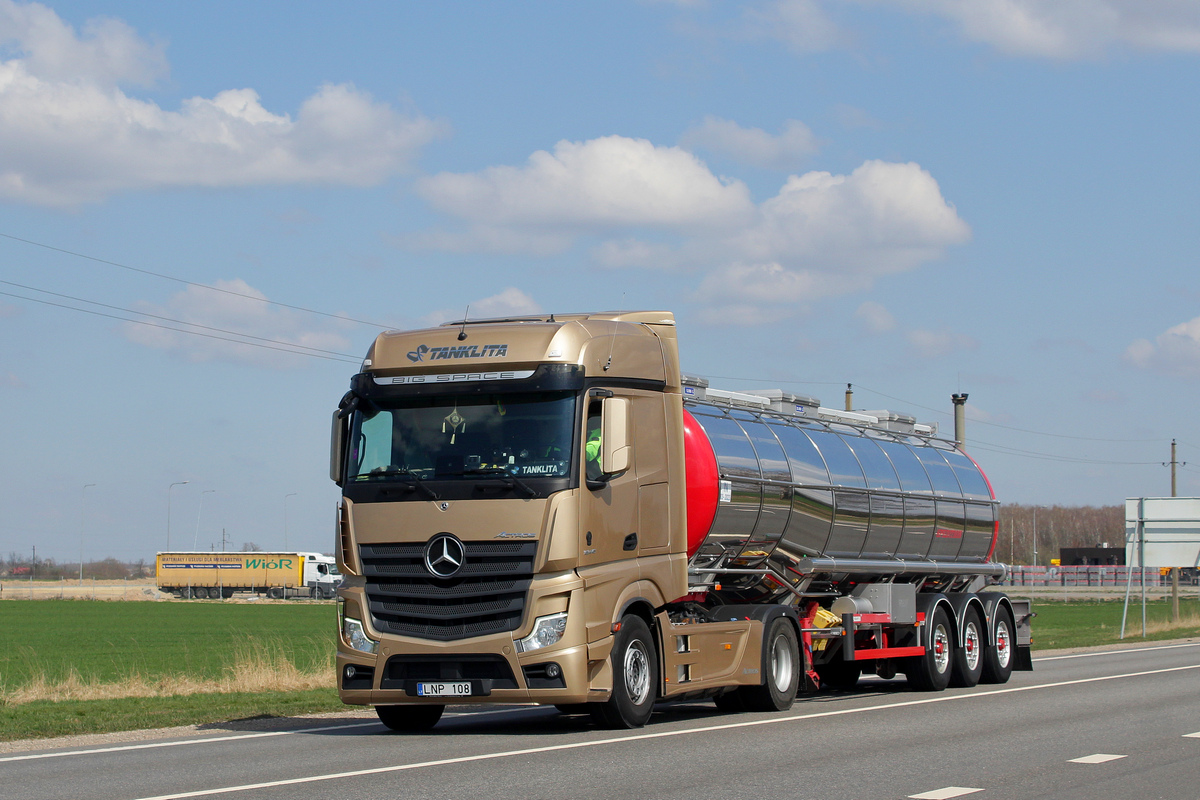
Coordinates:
(235, 307)
(881, 218)
(875, 317)
(511, 302)
(754, 146)
(821, 235)
(109, 52)
(1067, 29)
(936, 344)
(802, 25)
(598, 184)
(1174, 352)
(69, 134)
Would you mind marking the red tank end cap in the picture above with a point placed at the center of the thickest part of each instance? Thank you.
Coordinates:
(700, 465)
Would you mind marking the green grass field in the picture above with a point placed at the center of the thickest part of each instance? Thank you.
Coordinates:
(110, 641)
(171, 646)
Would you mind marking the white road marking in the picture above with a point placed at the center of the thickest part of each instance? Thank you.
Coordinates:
(180, 743)
(944, 794)
(234, 737)
(1115, 652)
(774, 720)
(1098, 758)
(1195, 735)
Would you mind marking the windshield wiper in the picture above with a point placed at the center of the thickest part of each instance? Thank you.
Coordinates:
(510, 479)
(404, 472)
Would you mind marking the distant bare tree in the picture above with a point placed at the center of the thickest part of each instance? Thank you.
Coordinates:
(1057, 527)
(250, 547)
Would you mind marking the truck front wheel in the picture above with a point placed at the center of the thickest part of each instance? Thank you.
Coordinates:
(635, 678)
(409, 719)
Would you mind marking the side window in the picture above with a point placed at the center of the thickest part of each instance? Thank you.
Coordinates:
(592, 441)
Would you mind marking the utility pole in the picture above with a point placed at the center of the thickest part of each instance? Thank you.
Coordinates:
(1174, 570)
(960, 418)
(849, 398)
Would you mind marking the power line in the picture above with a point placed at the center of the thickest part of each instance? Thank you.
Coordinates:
(192, 283)
(169, 319)
(288, 349)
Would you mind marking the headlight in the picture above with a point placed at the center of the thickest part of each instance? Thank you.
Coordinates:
(546, 631)
(352, 632)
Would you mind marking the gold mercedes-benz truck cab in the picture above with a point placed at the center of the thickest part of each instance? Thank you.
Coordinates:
(544, 509)
(512, 507)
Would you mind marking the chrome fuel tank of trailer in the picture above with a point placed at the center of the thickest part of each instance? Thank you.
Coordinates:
(762, 484)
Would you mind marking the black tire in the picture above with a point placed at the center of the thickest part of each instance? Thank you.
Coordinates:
(840, 675)
(780, 670)
(931, 672)
(276, 593)
(185, 593)
(200, 593)
(968, 657)
(635, 678)
(409, 719)
(998, 656)
(573, 708)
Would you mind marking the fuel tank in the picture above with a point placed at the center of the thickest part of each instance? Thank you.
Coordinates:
(791, 487)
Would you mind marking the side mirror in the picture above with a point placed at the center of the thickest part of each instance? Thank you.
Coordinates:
(616, 450)
(337, 448)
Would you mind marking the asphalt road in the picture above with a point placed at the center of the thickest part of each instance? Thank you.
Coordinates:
(1115, 724)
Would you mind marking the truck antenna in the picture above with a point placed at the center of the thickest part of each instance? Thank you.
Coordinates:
(613, 342)
(462, 332)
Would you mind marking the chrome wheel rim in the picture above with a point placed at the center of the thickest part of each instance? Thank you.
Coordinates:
(637, 672)
(971, 646)
(782, 665)
(1003, 643)
(941, 648)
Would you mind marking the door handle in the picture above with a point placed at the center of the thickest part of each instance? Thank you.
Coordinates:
(631, 542)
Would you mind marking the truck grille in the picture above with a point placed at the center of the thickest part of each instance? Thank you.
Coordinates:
(486, 596)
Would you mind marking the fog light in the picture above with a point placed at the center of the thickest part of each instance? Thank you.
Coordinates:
(350, 672)
(553, 670)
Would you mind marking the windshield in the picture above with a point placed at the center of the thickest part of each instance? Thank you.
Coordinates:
(459, 437)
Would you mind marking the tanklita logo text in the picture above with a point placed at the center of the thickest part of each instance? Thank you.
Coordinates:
(463, 351)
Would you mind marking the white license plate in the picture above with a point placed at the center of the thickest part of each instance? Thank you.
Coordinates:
(455, 689)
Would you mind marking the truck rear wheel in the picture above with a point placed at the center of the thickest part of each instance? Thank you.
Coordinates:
(931, 672)
(780, 670)
(968, 659)
(409, 719)
(998, 656)
(635, 678)
(275, 593)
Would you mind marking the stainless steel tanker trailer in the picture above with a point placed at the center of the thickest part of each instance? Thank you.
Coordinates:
(545, 509)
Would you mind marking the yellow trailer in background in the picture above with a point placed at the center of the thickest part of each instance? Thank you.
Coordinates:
(203, 575)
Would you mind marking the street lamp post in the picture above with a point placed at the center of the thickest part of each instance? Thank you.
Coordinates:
(196, 535)
(285, 520)
(169, 488)
(82, 500)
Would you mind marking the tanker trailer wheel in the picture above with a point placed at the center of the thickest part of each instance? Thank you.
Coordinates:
(968, 659)
(409, 719)
(780, 670)
(931, 672)
(998, 656)
(635, 678)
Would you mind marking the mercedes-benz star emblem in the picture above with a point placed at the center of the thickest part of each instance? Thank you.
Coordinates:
(444, 555)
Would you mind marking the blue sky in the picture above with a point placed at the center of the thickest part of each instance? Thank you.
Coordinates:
(917, 197)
